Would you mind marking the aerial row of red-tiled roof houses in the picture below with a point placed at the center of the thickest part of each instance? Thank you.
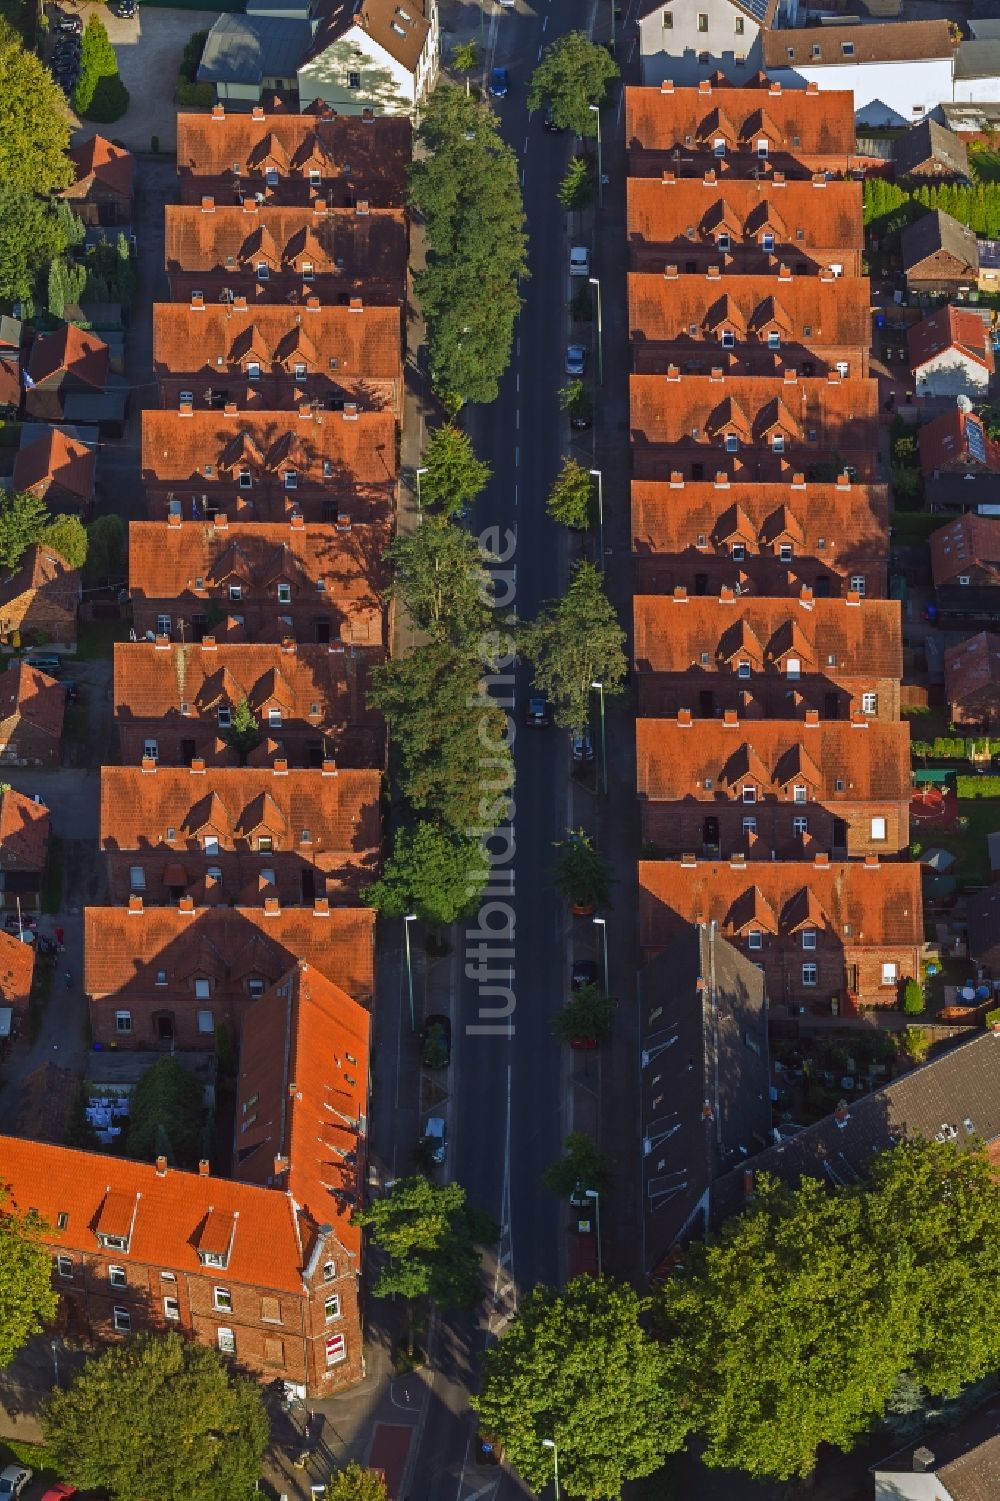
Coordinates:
(270, 474)
(773, 769)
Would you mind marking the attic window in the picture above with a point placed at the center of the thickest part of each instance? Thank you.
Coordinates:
(271, 177)
(306, 837)
(333, 362)
(62, 1219)
(401, 12)
(816, 49)
(225, 716)
(723, 241)
(399, 30)
(847, 48)
(209, 471)
(800, 233)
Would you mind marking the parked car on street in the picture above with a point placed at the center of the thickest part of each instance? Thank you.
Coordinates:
(436, 1138)
(499, 83)
(576, 359)
(584, 973)
(13, 1480)
(537, 714)
(583, 745)
(579, 261)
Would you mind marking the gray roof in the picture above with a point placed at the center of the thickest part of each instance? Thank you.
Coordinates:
(248, 49)
(938, 231)
(965, 1459)
(704, 1049)
(958, 492)
(10, 330)
(957, 1093)
(977, 59)
(929, 141)
(983, 916)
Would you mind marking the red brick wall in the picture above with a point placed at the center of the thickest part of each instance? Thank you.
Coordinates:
(748, 261)
(662, 573)
(768, 696)
(752, 357)
(261, 618)
(677, 828)
(240, 870)
(279, 394)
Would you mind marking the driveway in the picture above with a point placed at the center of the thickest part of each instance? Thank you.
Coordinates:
(149, 50)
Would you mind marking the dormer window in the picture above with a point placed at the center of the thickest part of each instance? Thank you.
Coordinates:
(800, 794)
(210, 844)
(225, 716)
(265, 843)
(291, 479)
(271, 177)
(718, 147)
(793, 667)
(253, 370)
(762, 148)
(785, 552)
(778, 443)
(314, 177)
(236, 592)
(328, 469)
(263, 271)
(274, 720)
(113, 1242)
(748, 794)
(767, 240)
(738, 552)
(743, 670)
(202, 989)
(808, 938)
(732, 443)
(284, 594)
(728, 338)
(773, 339)
(300, 372)
(755, 939)
(246, 480)
(308, 271)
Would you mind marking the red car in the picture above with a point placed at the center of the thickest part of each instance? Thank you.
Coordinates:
(60, 1491)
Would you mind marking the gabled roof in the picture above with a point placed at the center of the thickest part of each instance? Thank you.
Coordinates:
(837, 523)
(927, 142)
(955, 329)
(804, 124)
(71, 351)
(815, 313)
(971, 666)
(970, 541)
(844, 413)
(663, 213)
(363, 341)
(957, 438)
(844, 762)
(47, 456)
(103, 162)
(937, 232)
(868, 905)
(34, 698)
(247, 49)
(41, 567)
(17, 968)
(402, 31)
(847, 640)
(964, 1459)
(868, 42)
(124, 949)
(24, 831)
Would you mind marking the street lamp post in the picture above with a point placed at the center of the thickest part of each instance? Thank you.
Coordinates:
(420, 471)
(550, 1443)
(595, 281)
(613, 4)
(596, 110)
(596, 474)
(602, 923)
(592, 1193)
(410, 917)
(604, 740)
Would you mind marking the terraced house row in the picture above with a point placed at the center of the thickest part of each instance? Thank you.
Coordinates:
(244, 819)
(773, 768)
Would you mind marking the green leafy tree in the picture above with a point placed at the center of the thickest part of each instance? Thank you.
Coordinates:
(573, 74)
(57, 288)
(581, 874)
(107, 1428)
(465, 60)
(907, 483)
(587, 1013)
(31, 234)
(167, 1099)
(913, 998)
(582, 1166)
(576, 191)
(541, 1382)
(455, 476)
(67, 536)
(571, 499)
(34, 125)
(431, 1239)
(576, 400)
(441, 578)
(106, 547)
(97, 61)
(23, 518)
(27, 1300)
(355, 1484)
(436, 873)
(574, 642)
(244, 734)
(467, 188)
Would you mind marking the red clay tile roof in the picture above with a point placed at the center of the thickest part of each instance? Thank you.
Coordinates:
(73, 352)
(844, 762)
(33, 697)
(672, 635)
(101, 160)
(123, 949)
(971, 666)
(328, 450)
(864, 905)
(890, 42)
(950, 328)
(166, 563)
(371, 245)
(41, 567)
(371, 156)
(339, 809)
(838, 524)
(794, 121)
(688, 210)
(968, 542)
(24, 832)
(303, 1096)
(17, 968)
(218, 337)
(797, 308)
(842, 413)
(49, 456)
(957, 440)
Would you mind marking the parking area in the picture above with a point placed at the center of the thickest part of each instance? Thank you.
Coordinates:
(149, 48)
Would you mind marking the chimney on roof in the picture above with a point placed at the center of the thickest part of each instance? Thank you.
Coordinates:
(197, 767)
(775, 87)
(361, 208)
(721, 480)
(257, 113)
(680, 595)
(726, 595)
(305, 412)
(186, 904)
(676, 479)
(221, 524)
(825, 274)
(859, 721)
(812, 88)
(819, 179)
(687, 859)
(710, 178)
(329, 767)
(667, 179)
(186, 408)
(923, 1460)
(161, 643)
(249, 205)
(319, 204)
(280, 1164)
(229, 410)
(203, 1167)
(356, 305)
(713, 272)
(812, 716)
(716, 373)
(350, 411)
(844, 481)
(288, 644)
(135, 904)
(730, 718)
(161, 1167)
(684, 719)
(321, 906)
(673, 372)
(833, 377)
(784, 272)
(805, 595)
(852, 597)
(344, 522)
(208, 204)
(173, 518)
(280, 767)
(239, 303)
(208, 643)
(737, 860)
(197, 302)
(821, 858)
(791, 376)
(798, 480)
(272, 906)
(148, 764)
(312, 303)
(667, 86)
(705, 86)
(778, 180)
(297, 521)
(218, 113)
(871, 862)
(670, 273)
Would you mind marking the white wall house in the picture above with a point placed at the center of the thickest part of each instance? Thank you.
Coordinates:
(951, 354)
(383, 57)
(899, 71)
(688, 40)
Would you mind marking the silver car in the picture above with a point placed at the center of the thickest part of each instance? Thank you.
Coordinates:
(13, 1480)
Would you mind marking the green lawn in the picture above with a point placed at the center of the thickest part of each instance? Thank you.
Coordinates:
(96, 638)
(985, 165)
(968, 845)
(914, 526)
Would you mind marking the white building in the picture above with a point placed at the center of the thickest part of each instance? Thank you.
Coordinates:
(688, 40)
(977, 72)
(899, 71)
(380, 55)
(951, 354)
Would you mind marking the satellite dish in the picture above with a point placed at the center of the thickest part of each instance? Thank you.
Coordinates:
(963, 403)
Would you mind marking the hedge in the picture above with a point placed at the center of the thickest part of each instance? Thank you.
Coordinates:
(196, 95)
(992, 1018)
(954, 748)
(978, 787)
(888, 207)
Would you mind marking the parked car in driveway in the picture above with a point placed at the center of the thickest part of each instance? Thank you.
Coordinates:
(13, 1480)
(576, 359)
(499, 83)
(436, 1138)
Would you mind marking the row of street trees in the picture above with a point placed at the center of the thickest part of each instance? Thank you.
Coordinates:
(798, 1326)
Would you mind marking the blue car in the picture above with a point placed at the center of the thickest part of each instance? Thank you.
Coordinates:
(499, 83)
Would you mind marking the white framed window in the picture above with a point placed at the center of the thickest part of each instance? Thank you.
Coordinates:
(353, 79)
(728, 337)
(773, 339)
(329, 1271)
(284, 594)
(210, 844)
(263, 271)
(785, 552)
(122, 1320)
(315, 177)
(808, 938)
(965, 578)
(703, 21)
(271, 177)
(137, 878)
(163, 625)
(750, 824)
(718, 147)
(767, 240)
(255, 986)
(793, 667)
(778, 443)
(246, 479)
(117, 1277)
(869, 703)
(723, 240)
(151, 749)
(755, 939)
(743, 669)
(225, 716)
(171, 1309)
(890, 973)
(64, 1266)
(858, 583)
(331, 1307)
(253, 370)
(748, 794)
(291, 479)
(843, 369)
(308, 273)
(206, 1023)
(236, 592)
(800, 826)
(300, 369)
(762, 152)
(202, 989)
(222, 1298)
(226, 1340)
(738, 552)
(809, 974)
(336, 1349)
(800, 794)
(732, 443)
(123, 1022)
(274, 720)
(878, 828)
